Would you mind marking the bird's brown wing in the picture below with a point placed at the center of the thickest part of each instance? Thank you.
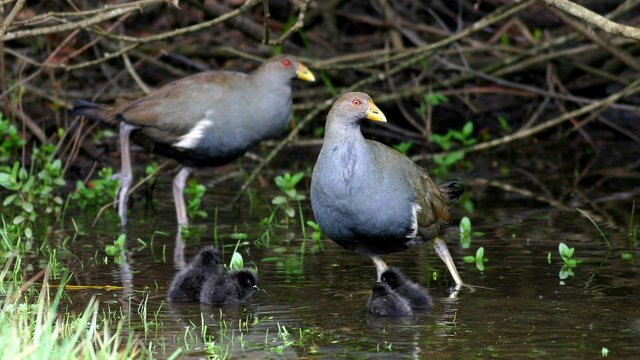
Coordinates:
(434, 206)
(176, 107)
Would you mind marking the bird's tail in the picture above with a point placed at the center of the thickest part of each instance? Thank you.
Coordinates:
(452, 189)
(92, 111)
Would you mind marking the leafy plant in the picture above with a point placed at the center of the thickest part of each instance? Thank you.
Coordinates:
(96, 192)
(316, 236)
(10, 140)
(504, 125)
(287, 184)
(566, 253)
(115, 250)
(32, 190)
(465, 232)
(403, 147)
(478, 259)
(463, 137)
(194, 193)
(431, 99)
(237, 262)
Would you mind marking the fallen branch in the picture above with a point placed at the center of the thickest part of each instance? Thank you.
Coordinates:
(595, 19)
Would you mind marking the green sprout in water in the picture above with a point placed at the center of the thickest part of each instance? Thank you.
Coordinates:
(115, 250)
(566, 253)
(287, 184)
(237, 262)
(465, 232)
(478, 259)
(194, 193)
(604, 352)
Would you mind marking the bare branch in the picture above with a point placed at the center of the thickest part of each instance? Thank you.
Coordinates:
(595, 19)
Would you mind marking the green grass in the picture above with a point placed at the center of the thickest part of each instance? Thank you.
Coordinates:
(44, 330)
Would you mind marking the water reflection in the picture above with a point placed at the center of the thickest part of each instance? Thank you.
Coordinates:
(314, 303)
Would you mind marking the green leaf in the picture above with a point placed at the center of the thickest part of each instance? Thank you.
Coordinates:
(549, 257)
(239, 236)
(28, 233)
(237, 262)
(627, 256)
(27, 206)
(23, 174)
(465, 225)
(290, 212)
(469, 259)
(5, 180)
(565, 272)
(480, 253)
(9, 199)
(479, 264)
(120, 241)
(295, 179)
(28, 185)
(18, 220)
(279, 200)
(467, 129)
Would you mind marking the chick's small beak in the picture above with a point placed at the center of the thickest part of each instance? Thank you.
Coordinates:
(304, 73)
(374, 114)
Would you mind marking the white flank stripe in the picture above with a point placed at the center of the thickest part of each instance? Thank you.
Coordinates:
(190, 140)
(415, 208)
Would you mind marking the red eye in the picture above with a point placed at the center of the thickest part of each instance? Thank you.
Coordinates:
(286, 62)
(356, 102)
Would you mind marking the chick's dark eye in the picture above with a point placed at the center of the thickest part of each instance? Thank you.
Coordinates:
(286, 62)
(356, 102)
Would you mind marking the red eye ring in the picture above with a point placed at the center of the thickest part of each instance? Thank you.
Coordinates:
(356, 102)
(286, 62)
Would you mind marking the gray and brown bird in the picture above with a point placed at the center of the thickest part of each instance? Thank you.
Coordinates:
(206, 119)
(371, 199)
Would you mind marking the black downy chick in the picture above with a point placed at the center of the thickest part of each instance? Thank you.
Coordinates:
(416, 295)
(231, 289)
(187, 283)
(386, 302)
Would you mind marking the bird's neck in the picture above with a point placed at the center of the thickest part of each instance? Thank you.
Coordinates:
(344, 133)
(347, 149)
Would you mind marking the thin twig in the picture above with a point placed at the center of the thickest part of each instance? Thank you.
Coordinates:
(630, 89)
(297, 26)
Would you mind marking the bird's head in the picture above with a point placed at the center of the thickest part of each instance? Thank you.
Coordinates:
(392, 277)
(289, 67)
(353, 107)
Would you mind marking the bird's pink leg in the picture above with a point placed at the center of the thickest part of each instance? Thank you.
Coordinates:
(179, 183)
(126, 173)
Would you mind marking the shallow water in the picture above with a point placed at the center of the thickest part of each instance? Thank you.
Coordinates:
(319, 296)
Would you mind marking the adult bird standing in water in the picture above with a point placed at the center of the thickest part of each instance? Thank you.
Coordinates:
(206, 119)
(368, 197)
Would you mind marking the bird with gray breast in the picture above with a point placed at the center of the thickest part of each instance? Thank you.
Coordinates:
(206, 119)
(371, 199)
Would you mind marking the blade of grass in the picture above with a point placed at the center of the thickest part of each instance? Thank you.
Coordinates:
(604, 237)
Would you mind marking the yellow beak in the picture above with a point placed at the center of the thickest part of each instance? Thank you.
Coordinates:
(304, 73)
(374, 114)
